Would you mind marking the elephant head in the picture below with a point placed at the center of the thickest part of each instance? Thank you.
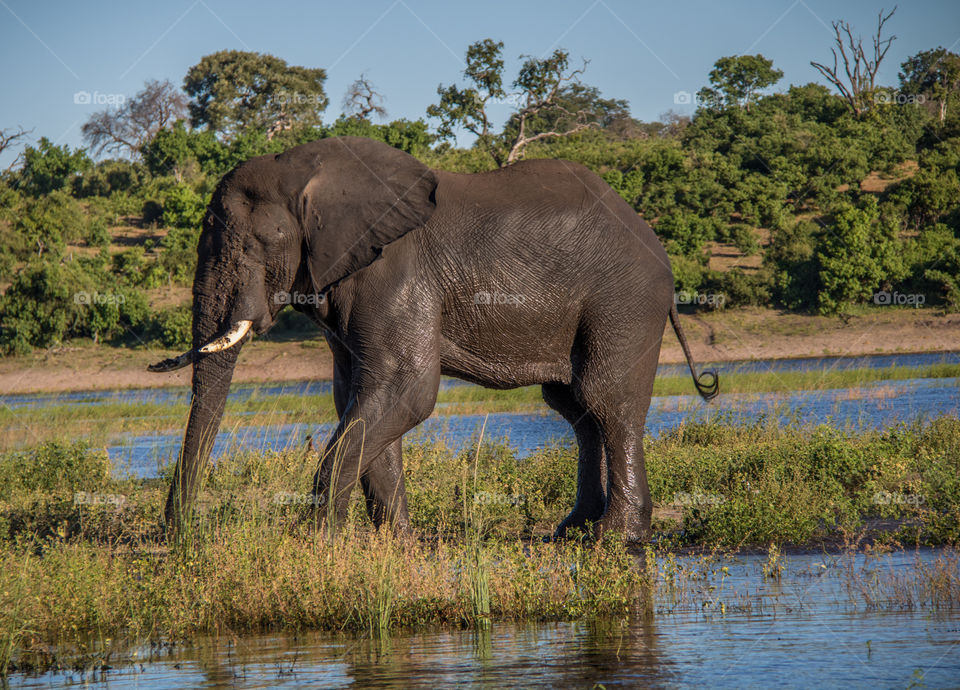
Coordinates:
(300, 221)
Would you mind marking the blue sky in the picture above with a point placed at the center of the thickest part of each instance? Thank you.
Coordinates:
(645, 52)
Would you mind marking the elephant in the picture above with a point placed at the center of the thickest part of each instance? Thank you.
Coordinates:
(538, 273)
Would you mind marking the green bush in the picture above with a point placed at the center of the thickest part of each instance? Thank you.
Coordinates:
(107, 178)
(46, 223)
(738, 288)
(688, 272)
(183, 208)
(47, 167)
(178, 254)
(173, 328)
(54, 468)
(856, 256)
(933, 259)
(49, 302)
(97, 234)
(132, 267)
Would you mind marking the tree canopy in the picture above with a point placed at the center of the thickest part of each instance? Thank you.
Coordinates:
(235, 90)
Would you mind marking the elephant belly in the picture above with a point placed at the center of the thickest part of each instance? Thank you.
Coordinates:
(502, 369)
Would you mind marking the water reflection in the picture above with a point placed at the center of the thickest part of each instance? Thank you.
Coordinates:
(804, 630)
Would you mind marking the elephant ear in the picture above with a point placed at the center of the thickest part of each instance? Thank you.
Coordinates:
(362, 196)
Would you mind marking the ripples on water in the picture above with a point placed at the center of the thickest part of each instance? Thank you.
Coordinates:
(802, 631)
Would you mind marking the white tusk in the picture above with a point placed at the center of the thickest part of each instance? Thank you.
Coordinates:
(173, 363)
(233, 336)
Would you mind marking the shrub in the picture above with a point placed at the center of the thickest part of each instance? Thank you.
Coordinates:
(47, 167)
(855, 256)
(131, 267)
(49, 302)
(45, 224)
(53, 467)
(107, 178)
(178, 254)
(173, 328)
(739, 288)
(183, 208)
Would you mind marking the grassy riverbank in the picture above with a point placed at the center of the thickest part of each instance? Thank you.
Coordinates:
(83, 565)
(97, 422)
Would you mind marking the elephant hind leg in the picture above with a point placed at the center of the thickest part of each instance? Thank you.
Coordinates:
(384, 491)
(620, 408)
(591, 463)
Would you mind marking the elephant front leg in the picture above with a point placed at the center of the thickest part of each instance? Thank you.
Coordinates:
(384, 490)
(366, 448)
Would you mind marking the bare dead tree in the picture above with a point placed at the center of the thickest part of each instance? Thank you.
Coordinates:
(9, 137)
(858, 81)
(542, 82)
(362, 99)
(128, 128)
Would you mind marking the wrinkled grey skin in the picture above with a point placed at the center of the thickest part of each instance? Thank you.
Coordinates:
(538, 273)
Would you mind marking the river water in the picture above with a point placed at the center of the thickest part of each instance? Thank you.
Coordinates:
(872, 406)
(814, 627)
(801, 631)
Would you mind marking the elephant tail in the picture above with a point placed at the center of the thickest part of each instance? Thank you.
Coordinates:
(707, 390)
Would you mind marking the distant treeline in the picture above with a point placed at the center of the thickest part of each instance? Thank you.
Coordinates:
(846, 199)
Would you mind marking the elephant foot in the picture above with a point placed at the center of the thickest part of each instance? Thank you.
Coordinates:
(634, 526)
(577, 520)
(400, 524)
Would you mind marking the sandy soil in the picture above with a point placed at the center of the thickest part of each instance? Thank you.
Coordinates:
(717, 336)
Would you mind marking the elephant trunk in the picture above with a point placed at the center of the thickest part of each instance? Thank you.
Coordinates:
(214, 357)
(211, 383)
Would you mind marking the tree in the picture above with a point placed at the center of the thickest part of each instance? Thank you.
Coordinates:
(175, 149)
(855, 256)
(9, 137)
(235, 90)
(362, 100)
(49, 167)
(934, 74)
(183, 208)
(127, 129)
(609, 114)
(737, 80)
(413, 137)
(46, 222)
(858, 81)
(540, 85)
